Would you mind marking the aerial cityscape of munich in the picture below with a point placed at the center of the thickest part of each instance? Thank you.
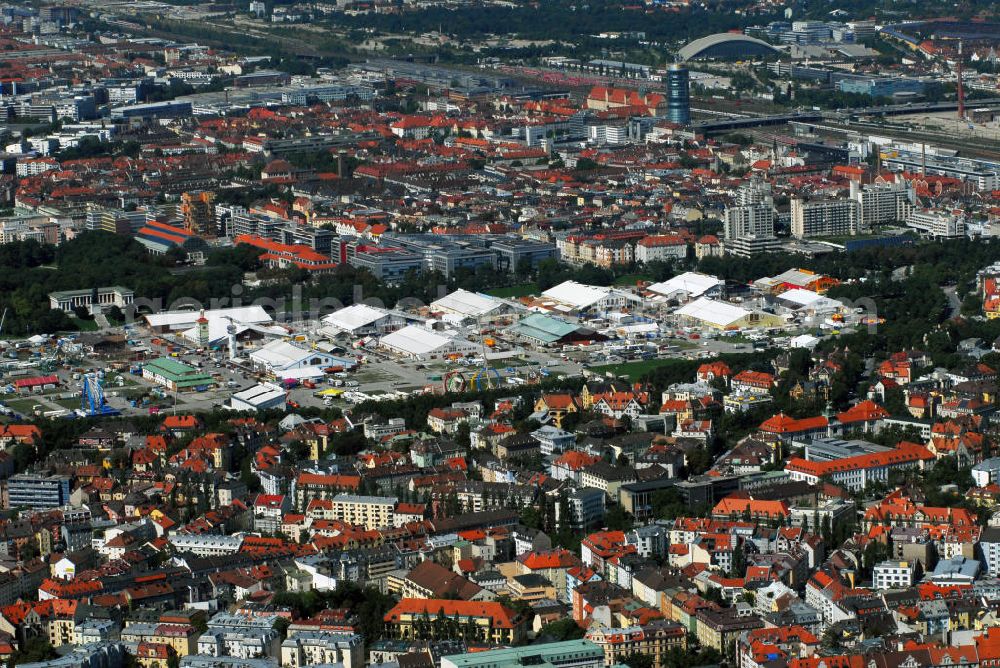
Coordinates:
(499, 334)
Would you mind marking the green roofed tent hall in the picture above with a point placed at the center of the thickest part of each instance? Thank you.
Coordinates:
(566, 654)
(545, 329)
(175, 375)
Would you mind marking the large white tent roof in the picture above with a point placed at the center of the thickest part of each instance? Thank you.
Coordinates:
(803, 341)
(354, 317)
(576, 295)
(414, 340)
(250, 315)
(279, 354)
(798, 298)
(714, 312)
(691, 283)
(467, 304)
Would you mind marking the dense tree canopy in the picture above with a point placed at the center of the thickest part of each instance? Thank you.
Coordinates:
(557, 19)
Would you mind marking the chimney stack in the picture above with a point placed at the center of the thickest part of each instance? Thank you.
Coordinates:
(961, 90)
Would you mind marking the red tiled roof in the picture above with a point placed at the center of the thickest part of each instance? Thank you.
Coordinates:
(866, 411)
(558, 401)
(336, 480)
(905, 452)
(756, 378)
(738, 506)
(549, 559)
(500, 615)
(180, 422)
(717, 369)
(20, 432)
(663, 240)
(784, 424)
(576, 460)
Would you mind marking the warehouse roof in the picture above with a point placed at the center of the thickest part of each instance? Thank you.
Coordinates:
(260, 394)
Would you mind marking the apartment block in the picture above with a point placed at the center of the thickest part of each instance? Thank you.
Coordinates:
(720, 629)
(883, 203)
(823, 217)
(937, 224)
(750, 220)
(183, 638)
(207, 545)
(240, 636)
(661, 248)
(585, 506)
(309, 486)
(655, 639)
(310, 648)
(27, 490)
(891, 574)
(371, 512)
(198, 210)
